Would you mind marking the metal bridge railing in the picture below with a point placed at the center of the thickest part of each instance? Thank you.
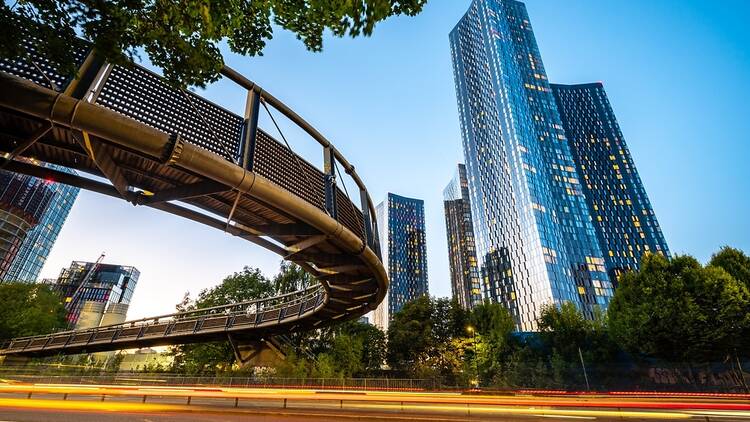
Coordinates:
(238, 314)
(144, 96)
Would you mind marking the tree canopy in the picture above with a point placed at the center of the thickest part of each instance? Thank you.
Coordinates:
(248, 284)
(29, 309)
(183, 38)
(679, 310)
(735, 262)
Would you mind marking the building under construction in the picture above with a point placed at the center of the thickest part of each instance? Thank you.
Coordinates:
(96, 294)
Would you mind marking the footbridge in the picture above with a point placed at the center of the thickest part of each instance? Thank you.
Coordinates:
(153, 145)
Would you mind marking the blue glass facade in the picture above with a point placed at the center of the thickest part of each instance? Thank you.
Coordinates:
(35, 249)
(23, 202)
(108, 284)
(535, 240)
(404, 249)
(459, 227)
(624, 220)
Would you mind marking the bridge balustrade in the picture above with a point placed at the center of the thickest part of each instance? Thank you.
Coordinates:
(142, 95)
(222, 318)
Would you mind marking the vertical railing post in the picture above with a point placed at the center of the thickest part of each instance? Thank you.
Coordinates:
(91, 71)
(250, 129)
(371, 242)
(329, 178)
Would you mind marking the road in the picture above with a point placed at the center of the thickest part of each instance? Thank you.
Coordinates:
(77, 403)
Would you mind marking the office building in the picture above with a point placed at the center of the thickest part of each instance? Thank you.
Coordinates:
(535, 241)
(623, 218)
(34, 250)
(462, 256)
(23, 202)
(108, 290)
(404, 249)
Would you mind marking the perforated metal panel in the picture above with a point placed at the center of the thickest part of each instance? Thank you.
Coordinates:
(349, 215)
(276, 163)
(144, 96)
(24, 66)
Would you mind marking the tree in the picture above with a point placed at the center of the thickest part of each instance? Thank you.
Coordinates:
(183, 38)
(29, 309)
(291, 278)
(679, 310)
(449, 320)
(372, 342)
(410, 336)
(735, 262)
(493, 325)
(249, 284)
(564, 329)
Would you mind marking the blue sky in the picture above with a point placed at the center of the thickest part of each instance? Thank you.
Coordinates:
(675, 72)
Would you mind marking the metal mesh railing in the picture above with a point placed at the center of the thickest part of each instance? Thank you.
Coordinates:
(37, 68)
(144, 96)
(195, 321)
(278, 164)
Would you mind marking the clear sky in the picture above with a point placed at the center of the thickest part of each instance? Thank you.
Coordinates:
(676, 73)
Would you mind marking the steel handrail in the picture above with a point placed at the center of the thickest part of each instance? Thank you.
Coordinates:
(246, 83)
(304, 296)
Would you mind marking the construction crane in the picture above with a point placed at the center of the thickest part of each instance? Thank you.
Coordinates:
(73, 299)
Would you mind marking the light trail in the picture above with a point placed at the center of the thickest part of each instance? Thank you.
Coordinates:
(449, 403)
(113, 406)
(415, 398)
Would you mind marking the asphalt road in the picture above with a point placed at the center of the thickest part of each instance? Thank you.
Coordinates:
(75, 403)
(9, 414)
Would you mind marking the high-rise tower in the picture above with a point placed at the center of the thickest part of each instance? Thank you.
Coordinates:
(23, 202)
(35, 248)
(536, 244)
(623, 218)
(462, 255)
(404, 249)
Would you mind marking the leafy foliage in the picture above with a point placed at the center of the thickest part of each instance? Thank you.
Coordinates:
(410, 334)
(348, 350)
(494, 325)
(291, 278)
(246, 285)
(735, 262)
(679, 310)
(29, 309)
(183, 38)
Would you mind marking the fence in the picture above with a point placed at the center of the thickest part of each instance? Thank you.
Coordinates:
(140, 379)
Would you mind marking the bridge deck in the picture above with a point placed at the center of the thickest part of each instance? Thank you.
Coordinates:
(165, 148)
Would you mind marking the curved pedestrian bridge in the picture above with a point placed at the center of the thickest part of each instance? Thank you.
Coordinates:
(156, 146)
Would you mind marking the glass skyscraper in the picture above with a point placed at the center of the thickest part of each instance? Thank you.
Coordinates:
(462, 255)
(36, 247)
(623, 218)
(404, 250)
(23, 202)
(109, 284)
(535, 240)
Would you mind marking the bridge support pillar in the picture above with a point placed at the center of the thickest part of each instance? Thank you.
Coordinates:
(263, 352)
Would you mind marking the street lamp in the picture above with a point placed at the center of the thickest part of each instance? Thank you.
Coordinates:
(471, 330)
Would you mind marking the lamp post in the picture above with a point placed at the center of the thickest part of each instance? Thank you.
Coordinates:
(471, 330)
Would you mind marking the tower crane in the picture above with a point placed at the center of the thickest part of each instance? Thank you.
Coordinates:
(76, 295)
